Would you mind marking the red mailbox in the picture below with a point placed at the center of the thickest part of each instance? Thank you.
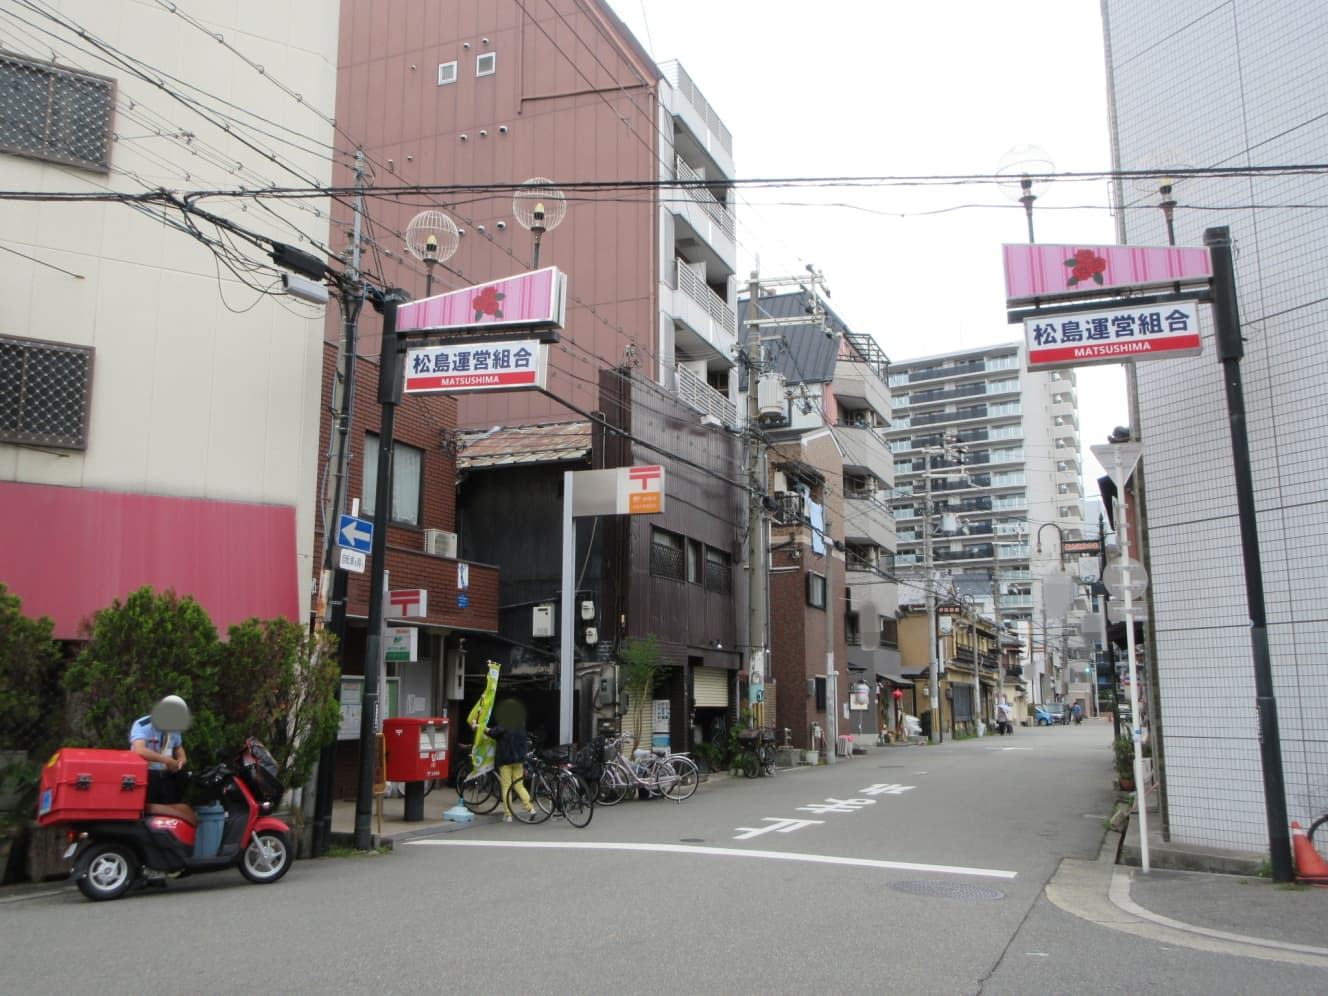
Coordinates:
(416, 748)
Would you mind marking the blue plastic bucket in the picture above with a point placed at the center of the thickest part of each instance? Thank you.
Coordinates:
(207, 836)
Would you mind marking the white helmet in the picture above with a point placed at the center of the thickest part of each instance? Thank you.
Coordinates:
(171, 715)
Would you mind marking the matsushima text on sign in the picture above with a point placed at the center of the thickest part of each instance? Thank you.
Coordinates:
(477, 366)
(1123, 333)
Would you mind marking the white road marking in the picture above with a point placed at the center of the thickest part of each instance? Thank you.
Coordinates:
(731, 852)
(777, 826)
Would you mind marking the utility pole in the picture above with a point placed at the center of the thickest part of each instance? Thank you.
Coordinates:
(996, 611)
(929, 592)
(1230, 350)
(333, 583)
(390, 363)
(758, 580)
(757, 550)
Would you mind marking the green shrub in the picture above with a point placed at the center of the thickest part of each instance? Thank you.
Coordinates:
(151, 645)
(1123, 749)
(278, 682)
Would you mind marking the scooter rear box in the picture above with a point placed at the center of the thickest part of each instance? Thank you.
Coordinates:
(82, 784)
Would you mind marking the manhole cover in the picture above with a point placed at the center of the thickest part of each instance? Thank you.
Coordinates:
(947, 890)
(691, 840)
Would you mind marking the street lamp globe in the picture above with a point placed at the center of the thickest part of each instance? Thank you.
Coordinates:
(539, 207)
(432, 237)
(1023, 172)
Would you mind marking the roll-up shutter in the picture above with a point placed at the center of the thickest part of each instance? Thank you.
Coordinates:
(710, 687)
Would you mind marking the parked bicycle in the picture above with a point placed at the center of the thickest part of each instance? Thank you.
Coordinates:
(756, 752)
(1321, 843)
(481, 793)
(554, 788)
(674, 776)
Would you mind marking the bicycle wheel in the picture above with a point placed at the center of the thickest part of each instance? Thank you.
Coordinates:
(480, 792)
(1321, 845)
(518, 808)
(543, 793)
(461, 772)
(681, 779)
(766, 756)
(575, 800)
(612, 786)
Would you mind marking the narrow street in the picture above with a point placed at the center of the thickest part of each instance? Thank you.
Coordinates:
(909, 870)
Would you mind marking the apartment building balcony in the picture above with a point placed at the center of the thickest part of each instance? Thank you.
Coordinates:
(699, 396)
(856, 386)
(866, 452)
(867, 520)
(705, 228)
(705, 133)
(706, 326)
(881, 593)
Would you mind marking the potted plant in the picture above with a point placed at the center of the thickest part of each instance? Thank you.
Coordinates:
(1123, 749)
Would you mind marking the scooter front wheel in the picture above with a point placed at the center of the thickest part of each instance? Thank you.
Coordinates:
(267, 858)
(109, 871)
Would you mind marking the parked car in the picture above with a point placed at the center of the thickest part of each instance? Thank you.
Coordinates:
(1049, 713)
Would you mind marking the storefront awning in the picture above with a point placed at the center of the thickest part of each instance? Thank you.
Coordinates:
(69, 552)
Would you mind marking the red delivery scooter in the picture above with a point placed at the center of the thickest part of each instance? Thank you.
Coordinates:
(117, 840)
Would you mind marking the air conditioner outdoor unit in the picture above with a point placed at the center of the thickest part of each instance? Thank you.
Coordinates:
(440, 543)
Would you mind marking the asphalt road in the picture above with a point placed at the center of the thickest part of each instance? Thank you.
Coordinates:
(908, 870)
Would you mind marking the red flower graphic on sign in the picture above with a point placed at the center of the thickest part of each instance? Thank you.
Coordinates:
(1085, 265)
(488, 302)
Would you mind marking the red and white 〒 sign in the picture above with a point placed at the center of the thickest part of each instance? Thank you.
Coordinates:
(407, 603)
(641, 490)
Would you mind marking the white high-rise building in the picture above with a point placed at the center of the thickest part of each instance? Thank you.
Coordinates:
(997, 525)
(1237, 87)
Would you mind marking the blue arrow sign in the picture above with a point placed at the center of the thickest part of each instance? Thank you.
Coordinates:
(355, 534)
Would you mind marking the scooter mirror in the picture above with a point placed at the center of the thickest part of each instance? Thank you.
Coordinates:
(171, 715)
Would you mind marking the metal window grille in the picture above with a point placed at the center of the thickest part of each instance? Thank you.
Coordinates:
(666, 555)
(55, 114)
(718, 572)
(45, 392)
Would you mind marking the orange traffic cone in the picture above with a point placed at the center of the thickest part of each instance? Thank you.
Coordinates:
(1309, 866)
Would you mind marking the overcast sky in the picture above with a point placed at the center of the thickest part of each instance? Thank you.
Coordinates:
(849, 88)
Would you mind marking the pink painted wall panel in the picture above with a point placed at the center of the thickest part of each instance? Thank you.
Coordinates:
(567, 102)
(67, 552)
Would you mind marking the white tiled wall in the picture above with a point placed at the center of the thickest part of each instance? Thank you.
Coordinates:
(1183, 84)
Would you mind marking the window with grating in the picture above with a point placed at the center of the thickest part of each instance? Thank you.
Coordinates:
(55, 114)
(45, 392)
(718, 571)
(666, 555)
